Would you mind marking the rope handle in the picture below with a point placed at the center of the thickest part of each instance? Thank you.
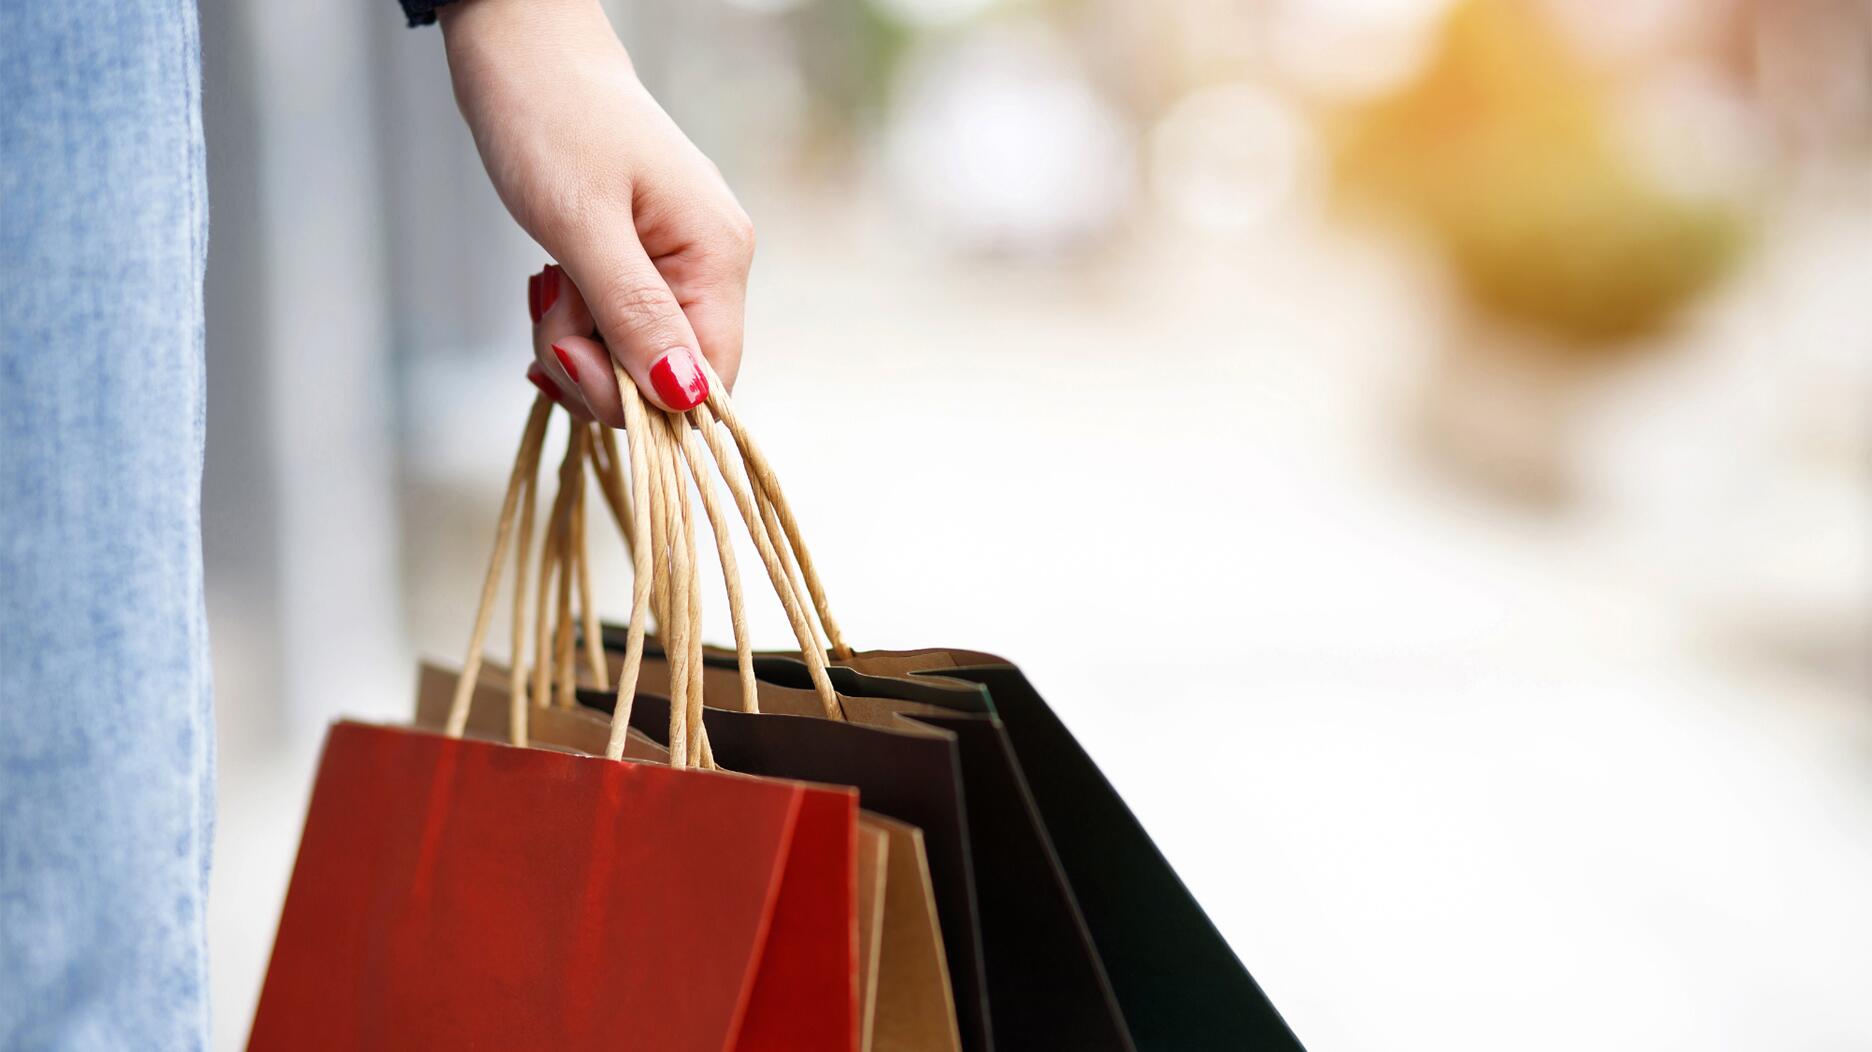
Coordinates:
(560, 561)
(526, 459)
(663, 555)
(564, 574)
(776, 515)
(655, 517)
(760, 517)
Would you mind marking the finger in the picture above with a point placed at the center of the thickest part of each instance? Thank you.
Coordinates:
(589, 361)
(557, 310)
(537, 376)
(560, 313)
(643, 323)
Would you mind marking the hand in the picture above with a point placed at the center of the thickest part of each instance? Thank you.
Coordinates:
(654, 248)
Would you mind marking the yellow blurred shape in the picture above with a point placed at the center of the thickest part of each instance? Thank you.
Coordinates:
(1503, 152)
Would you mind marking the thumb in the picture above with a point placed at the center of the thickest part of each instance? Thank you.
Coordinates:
(644, 325)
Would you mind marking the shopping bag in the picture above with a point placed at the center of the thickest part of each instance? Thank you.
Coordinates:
(456, 893)
(904, 996)
(451, 892)
(914, 1010)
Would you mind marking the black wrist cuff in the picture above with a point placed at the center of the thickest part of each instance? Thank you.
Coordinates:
(422, 12)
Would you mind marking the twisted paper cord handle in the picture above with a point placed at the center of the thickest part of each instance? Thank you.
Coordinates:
(530, 440)
(658, 522)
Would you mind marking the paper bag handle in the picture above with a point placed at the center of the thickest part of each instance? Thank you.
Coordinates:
(561, 553)
(658, 524)
(662, 555)
(526, 462)
(758, 514)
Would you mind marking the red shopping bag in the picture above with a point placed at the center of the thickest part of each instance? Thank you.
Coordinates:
(453, 893)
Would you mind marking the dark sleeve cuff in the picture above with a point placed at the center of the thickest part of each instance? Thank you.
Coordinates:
(422, 12)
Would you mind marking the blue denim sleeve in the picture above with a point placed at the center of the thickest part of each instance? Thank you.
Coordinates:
(106, 737)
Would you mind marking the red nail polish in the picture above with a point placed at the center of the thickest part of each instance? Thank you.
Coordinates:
(679, 380)
(566, 360)
(549, 288)
(539, 380)
(533, 298)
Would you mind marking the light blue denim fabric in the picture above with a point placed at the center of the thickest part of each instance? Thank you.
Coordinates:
(106, 738)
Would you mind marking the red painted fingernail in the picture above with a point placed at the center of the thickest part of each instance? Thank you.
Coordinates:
(533, 297)
(566, 360)
(549, 288)
(678, 379)
(540, 381)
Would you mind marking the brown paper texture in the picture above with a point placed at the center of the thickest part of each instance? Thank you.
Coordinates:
(873, 850)
(569, 730)
(915, 1007)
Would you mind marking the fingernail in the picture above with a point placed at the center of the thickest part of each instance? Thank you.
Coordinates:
(549, 288)
(533, 298)
(566, 360)
(678, 379)
(538, 377)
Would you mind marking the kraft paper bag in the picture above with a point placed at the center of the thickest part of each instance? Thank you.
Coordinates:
(459, 893)
(873, 852)
(577, 730)
(915, 1009)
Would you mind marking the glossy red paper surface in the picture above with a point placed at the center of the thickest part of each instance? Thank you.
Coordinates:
(463, 894)
(806, 998)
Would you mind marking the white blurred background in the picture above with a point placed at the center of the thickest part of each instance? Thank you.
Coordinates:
(1421, 448)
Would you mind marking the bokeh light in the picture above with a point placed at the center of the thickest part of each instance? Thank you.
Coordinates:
(1003, 144)
(1225, 159)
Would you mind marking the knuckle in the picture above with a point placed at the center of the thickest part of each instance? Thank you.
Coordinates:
(565, 208)
(741, 232)
(636, 302)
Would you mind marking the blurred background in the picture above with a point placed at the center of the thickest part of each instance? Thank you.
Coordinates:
(1420, 447)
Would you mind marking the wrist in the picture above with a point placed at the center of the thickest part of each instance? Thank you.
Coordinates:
(492, 29)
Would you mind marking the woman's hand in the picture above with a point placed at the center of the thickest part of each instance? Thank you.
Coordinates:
(654, 248)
